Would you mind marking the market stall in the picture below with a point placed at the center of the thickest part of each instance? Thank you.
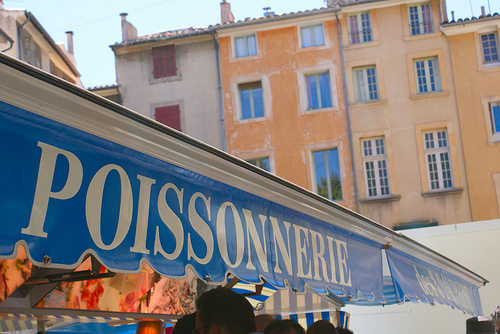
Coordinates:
(89, 184)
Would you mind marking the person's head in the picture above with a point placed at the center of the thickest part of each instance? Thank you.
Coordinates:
(321, 327)
(263, 320)
(341, 330)
(287, 326)
(185, 325)
(224, 311)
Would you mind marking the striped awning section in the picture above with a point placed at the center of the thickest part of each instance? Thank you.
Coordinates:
(249, 291)
(304, 308)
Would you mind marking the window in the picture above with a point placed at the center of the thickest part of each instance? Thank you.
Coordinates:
(318, 91)
(420, 18)
(489, 48)
(365, 84)
(495, 118)
(312, 36)
(252, 104)
(170, 116)
(437, 159)
(261, 163)
(427, 75)
(245, 46)
(360, 29)
(376, 170)
(327, 173)
(164, 61)
(32, 54)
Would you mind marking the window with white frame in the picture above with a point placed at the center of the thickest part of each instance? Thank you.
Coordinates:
(427, 75)
(375, 165)
(261, 163)
(327, 173)
(318, 91)
(245, 46)
(489, 47)
(252, 103)
(312, 36)
(420, 19)
(365, 84)
(495, 118)
(438, 160)
(360, 28)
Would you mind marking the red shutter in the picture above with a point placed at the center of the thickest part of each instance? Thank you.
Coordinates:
(170, 115)
(164, 61)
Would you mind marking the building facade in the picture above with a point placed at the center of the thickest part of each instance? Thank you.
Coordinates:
(407, 143)
(367, 103)
(172, 77)
(476, 72)
(24, 38)
(284, 101)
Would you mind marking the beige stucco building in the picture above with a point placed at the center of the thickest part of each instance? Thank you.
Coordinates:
(406, 135)
(24, 38)
(476, 72)
(172, 77)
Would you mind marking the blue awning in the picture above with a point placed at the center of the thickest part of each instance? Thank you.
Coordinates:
(416, 280)
(82, 175)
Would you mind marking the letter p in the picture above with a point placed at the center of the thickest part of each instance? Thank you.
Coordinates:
(43, 191)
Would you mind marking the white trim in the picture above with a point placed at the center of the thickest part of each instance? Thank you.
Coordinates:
(303, 96)
(245, 36)
(311, 26)
(485, 102)
(333, 145)
(266, 97)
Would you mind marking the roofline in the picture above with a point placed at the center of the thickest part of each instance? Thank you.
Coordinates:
(223, 26)
(369, 226)
(472, 20)
(273, 18)
(102, 87)
(160, 38)
(53, 44)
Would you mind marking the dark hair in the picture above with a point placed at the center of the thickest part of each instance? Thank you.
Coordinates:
(264, 320)
(321, 327)
(185, 325)
(284, 326)
(341, 330)
(224, 306)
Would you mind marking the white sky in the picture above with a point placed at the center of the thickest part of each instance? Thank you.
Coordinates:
(96, 23)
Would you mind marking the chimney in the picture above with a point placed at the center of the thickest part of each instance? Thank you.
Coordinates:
(69, 35)
(332, 2)
(483, 14)
(452, 16)
(128, 30)
(267, 12)
(225, 12)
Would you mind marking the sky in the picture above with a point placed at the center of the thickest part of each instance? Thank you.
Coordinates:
(97, 23)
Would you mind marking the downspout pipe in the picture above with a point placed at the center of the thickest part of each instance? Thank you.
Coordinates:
(19, 34)
(356, 195)
(11, 42)
(219, 87)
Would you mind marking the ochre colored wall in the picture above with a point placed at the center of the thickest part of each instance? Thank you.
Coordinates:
(474, 86)
(288, 133)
